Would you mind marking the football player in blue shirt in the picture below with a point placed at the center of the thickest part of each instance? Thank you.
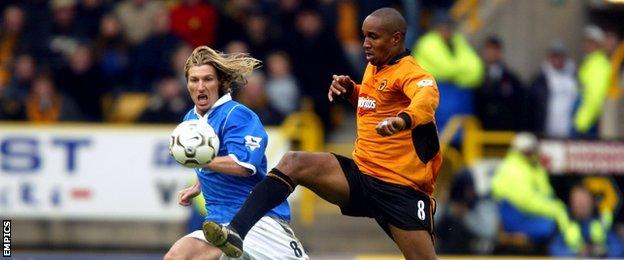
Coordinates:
(227, 180)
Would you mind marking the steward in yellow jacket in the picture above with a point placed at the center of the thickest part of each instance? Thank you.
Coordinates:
(595, 78)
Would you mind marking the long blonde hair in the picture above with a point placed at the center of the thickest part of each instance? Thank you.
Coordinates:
(231, 68)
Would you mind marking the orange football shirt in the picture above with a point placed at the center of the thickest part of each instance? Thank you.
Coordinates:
(410, 157)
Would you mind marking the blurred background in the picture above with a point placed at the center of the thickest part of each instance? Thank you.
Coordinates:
(531, 119)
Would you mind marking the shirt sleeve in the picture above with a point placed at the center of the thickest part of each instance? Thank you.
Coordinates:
(423, 92)
(355, 92)
(244, 138)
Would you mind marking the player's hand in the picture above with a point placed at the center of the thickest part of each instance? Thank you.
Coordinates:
(339, 86)
(186, 195)
(390, 126)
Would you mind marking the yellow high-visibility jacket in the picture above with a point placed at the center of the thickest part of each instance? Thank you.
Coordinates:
(595, 78)
(461, 66)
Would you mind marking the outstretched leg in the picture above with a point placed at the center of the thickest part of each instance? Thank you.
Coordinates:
(414, 244)
(319, 172)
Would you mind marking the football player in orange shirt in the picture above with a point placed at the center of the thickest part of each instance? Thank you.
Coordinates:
(396, 158)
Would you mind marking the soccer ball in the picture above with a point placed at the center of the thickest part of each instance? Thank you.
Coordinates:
(193, 143)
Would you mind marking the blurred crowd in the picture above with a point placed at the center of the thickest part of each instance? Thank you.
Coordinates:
(70, 60)
(562, 100)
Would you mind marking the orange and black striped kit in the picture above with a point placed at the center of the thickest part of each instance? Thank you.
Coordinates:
(410, 157)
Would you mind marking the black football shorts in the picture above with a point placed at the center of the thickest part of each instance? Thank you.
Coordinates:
(388, 203)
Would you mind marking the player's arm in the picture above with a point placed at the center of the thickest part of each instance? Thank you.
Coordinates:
(186, 195)
(245, 140)
(423, 92)
(424, 96)
(345, 87)
(222, 164)
(228, 165)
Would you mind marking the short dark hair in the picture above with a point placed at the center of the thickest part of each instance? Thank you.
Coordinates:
(393, 20)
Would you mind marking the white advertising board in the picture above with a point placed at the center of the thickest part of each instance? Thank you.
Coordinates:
(94, 171)
(583, 157)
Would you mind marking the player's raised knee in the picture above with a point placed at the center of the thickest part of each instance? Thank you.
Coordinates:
(298, 166)
(291, 163)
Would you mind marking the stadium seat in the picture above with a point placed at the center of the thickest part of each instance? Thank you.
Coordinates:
(127, 107)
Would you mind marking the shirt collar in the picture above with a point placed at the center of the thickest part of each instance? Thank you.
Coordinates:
(396, 58)
(225, 98)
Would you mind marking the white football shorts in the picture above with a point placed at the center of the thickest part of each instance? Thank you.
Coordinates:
(268, 239)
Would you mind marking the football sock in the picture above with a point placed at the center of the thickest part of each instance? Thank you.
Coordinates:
(267, 194)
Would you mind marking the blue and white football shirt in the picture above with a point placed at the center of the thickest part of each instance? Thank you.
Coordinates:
(243, 138)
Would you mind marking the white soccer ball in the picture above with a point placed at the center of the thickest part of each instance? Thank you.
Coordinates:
(193, 143)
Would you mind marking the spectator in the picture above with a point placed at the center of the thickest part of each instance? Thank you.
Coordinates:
(178, 60)
(10, 39)
(612, 41)
(82, 81)
(36, 30)
(253, 95)
(282, 14)
(153, 55)
(168, 104)
(236, 47)
(612, 119)
(552, 95)
(63, 35)
(258, 37)
(10, 106)
(282, 88)
(111, 52)
(594, 78)
(64, 18)
(136, 18)
(527, 203)
(233, 15)
(456, 66)
(24, 72)
(89, 13)
(312, 70)
(597, 238)
(469, 222)
(499, 101)
(45, 105)
(195, 22)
